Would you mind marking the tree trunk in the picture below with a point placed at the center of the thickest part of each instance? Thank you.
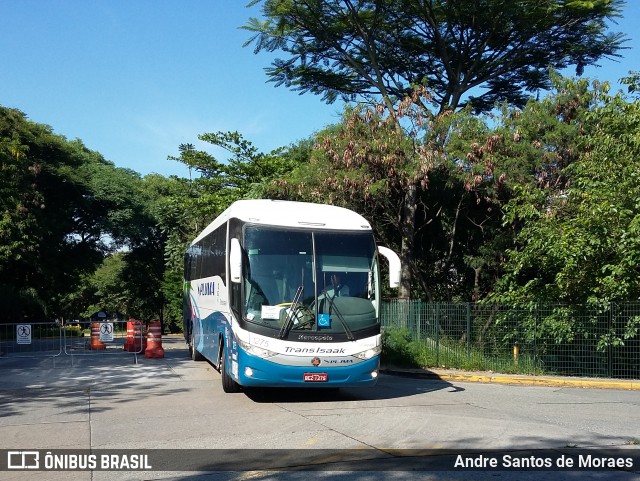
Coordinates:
(408, 236)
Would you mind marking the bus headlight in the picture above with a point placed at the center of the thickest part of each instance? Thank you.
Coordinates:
(369, 353)
(255, 350)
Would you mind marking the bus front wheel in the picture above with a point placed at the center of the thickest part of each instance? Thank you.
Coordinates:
(228, 384)
(195, 355)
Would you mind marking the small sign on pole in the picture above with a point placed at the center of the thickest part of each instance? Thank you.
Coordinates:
(106, 331)
(23, 333)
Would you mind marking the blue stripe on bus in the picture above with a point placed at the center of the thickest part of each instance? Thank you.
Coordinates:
(197, 333)
(209, 328)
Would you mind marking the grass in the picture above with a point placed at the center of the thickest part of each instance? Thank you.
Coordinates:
(399, 349)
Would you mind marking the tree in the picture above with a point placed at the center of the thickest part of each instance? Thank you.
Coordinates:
(358, 49)
(46, 231)
(572, 174)
(178, 212)
(245, 174)
(185, 207)
(577, 240)
(233, 178)
(385, 50)
(63, 207)
(421, 198)
(103, 289)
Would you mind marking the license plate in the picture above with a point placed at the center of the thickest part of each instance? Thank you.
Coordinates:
(316, 377)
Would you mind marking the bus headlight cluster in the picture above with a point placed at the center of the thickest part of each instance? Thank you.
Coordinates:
(369, 353)
(255, 350)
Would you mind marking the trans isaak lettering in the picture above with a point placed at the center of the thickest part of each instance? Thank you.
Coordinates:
(314, 350)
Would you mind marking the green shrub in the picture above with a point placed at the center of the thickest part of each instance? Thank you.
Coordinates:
(398, 349)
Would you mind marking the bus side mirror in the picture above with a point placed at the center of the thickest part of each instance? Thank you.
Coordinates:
(394, 265)
(235, 261)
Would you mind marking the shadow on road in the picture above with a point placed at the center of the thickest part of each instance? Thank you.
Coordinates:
(388, 387)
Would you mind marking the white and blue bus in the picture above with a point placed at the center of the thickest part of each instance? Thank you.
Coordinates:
(286, 294)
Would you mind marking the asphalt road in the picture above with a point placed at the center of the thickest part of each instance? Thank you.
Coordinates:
(106, 401)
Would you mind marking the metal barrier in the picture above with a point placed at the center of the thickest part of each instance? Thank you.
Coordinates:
(31, 339)
(53, 340)
(107, 338)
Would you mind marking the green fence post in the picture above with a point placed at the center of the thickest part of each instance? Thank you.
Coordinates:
(468, 332)
(536, 354)
(437, 326)
(610, 347)
(418, 303)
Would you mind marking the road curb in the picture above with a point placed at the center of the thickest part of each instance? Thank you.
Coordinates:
(493, 378)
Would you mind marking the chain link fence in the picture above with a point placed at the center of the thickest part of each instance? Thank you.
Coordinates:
(552, 339)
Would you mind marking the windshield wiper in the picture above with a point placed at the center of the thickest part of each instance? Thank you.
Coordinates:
(286, 325)
(350, 335)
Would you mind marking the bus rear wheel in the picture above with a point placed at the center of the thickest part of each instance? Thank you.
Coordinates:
(228, 384)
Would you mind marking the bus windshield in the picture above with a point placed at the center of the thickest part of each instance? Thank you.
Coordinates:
(298, 280)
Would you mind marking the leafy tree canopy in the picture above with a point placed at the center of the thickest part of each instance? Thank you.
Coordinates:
(62, 207)
(423, 194)
(477, 51)
(578, 215)
(242, 175)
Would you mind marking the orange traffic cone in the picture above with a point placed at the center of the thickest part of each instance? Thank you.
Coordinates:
(136, 341)
(96, 343)
(154, 341)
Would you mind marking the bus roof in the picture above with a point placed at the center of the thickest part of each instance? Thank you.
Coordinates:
(284, 213)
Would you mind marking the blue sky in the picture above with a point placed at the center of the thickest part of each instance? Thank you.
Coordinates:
(134, 79)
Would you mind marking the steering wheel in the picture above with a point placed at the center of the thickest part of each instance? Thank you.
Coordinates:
(300, 313)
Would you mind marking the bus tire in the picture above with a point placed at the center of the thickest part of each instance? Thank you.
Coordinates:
(193, 352)
(228, 384)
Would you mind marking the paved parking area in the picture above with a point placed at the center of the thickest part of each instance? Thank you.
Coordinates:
(107, 401)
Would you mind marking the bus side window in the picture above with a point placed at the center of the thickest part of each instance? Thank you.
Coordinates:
(193, 262)
(187, 266)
